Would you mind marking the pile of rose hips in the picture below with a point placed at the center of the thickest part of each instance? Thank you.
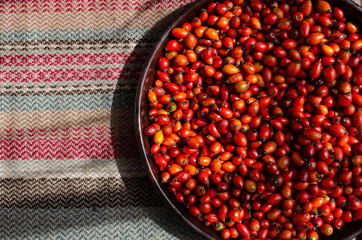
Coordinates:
(256, 118)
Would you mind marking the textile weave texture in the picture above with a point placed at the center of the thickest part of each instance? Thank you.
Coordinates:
(69, 163)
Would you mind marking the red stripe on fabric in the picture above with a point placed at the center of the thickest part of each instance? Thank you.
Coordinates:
(70, 59)
(67, 143)
(63, 75)
(57, 132)
(66, 148)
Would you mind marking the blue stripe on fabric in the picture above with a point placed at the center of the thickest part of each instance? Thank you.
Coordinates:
(67, 102)
(71, 34)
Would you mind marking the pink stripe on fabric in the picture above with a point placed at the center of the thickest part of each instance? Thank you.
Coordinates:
(63, 75)
(56, 148)
(67, 143)
(24, 6)
(69, 59)
(65, 148)
(56, 132)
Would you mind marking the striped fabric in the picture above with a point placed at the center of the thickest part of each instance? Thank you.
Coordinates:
(69, 163)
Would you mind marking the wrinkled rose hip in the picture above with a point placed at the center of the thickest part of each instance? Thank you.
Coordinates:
(256, 118)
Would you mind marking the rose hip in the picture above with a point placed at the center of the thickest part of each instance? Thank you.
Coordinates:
(256, 118)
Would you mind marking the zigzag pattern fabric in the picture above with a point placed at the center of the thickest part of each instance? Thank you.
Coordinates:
(69, 163)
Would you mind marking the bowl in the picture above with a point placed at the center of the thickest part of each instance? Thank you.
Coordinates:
(348, 231)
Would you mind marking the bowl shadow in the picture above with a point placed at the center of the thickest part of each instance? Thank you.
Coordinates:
(123, 135)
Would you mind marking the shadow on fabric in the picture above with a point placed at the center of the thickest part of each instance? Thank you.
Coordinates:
(124, 141)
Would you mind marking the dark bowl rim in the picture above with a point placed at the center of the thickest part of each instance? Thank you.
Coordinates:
(138, 107)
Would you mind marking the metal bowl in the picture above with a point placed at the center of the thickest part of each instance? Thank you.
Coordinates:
(352, 11)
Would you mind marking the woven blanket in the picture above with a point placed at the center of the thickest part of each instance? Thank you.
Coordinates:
(69, 163)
